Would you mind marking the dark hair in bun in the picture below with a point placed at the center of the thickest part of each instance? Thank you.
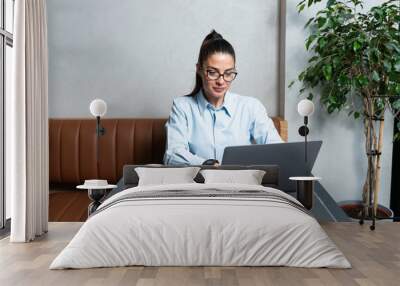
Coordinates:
(212, 43)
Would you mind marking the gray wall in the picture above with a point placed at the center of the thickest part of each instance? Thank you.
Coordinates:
(139, 55)
(342, 161)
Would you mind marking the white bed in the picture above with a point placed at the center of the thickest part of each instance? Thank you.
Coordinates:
(188, 230)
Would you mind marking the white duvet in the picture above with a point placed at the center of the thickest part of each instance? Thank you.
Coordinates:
(200, 231)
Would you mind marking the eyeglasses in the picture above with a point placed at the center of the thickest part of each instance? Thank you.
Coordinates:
(227, 76)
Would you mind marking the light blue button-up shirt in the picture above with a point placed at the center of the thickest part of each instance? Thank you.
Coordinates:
(197, 131)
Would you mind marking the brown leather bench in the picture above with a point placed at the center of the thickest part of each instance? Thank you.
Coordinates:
(126, 141)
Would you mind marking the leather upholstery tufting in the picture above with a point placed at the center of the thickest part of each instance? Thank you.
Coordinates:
(126, 141)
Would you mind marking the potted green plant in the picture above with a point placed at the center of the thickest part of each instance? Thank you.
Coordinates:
(354, 65)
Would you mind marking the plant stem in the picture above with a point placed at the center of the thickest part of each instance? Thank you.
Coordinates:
(378, 164)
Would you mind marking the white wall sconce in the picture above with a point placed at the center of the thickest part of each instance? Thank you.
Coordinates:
(305, 108)
(98, 108)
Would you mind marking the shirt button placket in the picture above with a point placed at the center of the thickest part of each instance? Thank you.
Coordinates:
(214, 116)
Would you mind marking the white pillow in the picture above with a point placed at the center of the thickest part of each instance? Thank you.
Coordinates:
(166, 176)
(248, 177)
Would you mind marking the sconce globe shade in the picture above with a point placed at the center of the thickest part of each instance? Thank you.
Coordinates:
(305, 107)
(98, 107)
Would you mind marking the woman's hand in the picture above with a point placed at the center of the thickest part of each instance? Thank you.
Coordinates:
(211, 162)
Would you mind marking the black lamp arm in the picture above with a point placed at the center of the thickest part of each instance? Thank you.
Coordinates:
(100, 131)
(303, 131)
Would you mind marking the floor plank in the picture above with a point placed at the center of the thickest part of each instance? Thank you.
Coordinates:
(375, 257)
(68, 205)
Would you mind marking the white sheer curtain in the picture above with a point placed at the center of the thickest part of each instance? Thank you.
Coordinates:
(27, 123)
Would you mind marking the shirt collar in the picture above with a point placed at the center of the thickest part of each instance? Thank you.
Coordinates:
(204, 104)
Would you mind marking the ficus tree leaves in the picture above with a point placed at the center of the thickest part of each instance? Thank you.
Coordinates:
(354, 53)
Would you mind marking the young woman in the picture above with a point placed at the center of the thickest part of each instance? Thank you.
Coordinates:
(210, 118)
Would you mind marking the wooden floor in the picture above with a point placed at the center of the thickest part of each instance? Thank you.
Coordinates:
(375, 257)
(68, 205)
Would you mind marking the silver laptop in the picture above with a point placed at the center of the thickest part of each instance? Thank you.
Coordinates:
(290, 157)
